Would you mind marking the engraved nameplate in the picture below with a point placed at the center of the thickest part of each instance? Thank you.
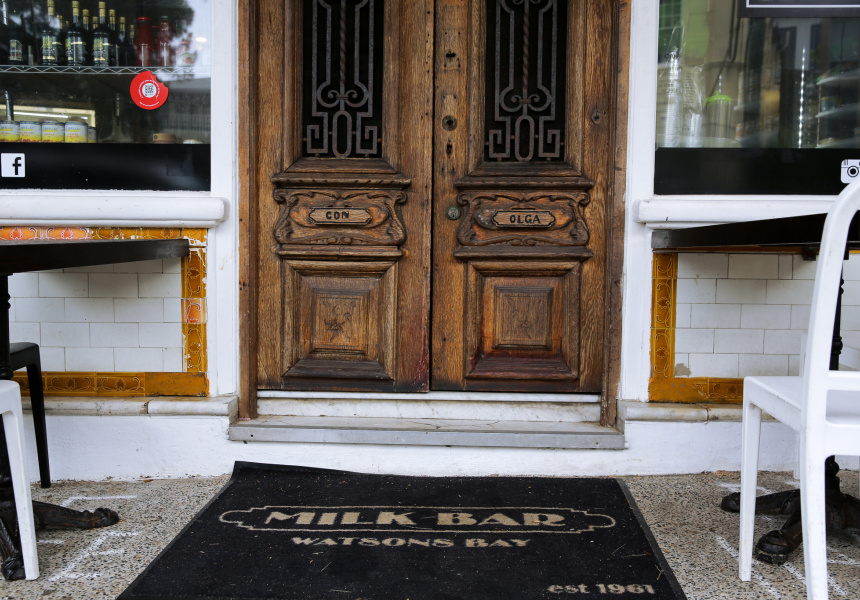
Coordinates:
(340, 216)
(523, 218)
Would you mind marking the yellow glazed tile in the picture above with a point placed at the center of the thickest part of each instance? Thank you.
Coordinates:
(194, 274)
(21, 379)
(196, 237)
(65, 233)
(70, 384)
(120, 384)
(663, 385)
(20, 233)
(160, 233)
(193, 310)
(195, 347)
(176, 384)
(104, 233)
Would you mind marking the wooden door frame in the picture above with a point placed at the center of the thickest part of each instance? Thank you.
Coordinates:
(247, 225)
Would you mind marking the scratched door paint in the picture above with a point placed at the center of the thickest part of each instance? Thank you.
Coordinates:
(412, 237)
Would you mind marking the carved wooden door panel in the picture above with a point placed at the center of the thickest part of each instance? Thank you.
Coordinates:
(343, 150)
(446, 158)
(523, 144)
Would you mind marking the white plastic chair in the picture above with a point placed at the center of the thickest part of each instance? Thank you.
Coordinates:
(822, 406)
(13, 424)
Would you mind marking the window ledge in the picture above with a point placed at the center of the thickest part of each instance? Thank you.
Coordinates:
(171, 406)
(630, 411)
(675, 212)
(100, 209)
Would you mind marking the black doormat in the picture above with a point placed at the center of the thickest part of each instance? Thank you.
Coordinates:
(295, 533)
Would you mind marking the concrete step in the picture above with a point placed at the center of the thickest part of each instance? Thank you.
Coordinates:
(433, 405)
(427, 432)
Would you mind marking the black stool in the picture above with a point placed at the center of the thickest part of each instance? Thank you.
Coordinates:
(26, 354)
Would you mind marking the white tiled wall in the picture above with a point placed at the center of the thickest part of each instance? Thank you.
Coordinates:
(124, 317)
(743, 314)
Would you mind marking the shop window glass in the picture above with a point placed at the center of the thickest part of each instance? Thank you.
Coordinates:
(105, 94)
(755, 104)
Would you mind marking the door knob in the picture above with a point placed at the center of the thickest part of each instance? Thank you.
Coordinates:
(453, 213)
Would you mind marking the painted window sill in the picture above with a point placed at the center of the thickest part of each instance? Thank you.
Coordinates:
(675, 212)
(100, 209)
(218, 406)
(674, 412)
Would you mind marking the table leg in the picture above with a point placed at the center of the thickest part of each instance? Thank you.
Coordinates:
(5, 360)
(47, 516)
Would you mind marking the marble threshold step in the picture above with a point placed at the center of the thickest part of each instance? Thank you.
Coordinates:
(434, 419)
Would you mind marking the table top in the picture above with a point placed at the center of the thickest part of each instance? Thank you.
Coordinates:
(42, 255)
(803, 231)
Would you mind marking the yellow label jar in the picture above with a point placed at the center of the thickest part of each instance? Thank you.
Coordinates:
(75, 132)
(9, 131)
(53, 131)
(31, 131)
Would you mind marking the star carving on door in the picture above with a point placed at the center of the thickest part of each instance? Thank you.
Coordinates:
(339, 317)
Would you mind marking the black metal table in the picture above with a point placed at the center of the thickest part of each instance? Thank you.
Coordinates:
(803, 233)
(42, 255)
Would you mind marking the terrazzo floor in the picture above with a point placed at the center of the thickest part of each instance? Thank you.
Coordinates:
(698, 539)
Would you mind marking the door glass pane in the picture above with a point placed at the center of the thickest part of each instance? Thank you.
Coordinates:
(342, 71)
(106, 95)
(525, 90)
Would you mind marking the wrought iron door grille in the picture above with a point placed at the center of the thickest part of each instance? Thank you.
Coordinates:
(342, 70)
(526, 82)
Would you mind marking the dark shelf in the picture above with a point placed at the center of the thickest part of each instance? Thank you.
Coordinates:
(101, 166)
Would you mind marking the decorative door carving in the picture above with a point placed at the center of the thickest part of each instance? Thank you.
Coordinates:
(430, 184)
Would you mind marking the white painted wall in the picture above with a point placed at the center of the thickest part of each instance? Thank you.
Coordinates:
(132, 447)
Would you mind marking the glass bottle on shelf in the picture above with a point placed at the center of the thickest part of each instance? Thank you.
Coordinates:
(125, 47)
(131, 48)
(61, 40)
(51, 38)
(166, 52)
(144, 43)
(119, 130)
(184, 56)
(104, 49)
(113, 35)
(77, 53)
(88, 24)
(16, 38)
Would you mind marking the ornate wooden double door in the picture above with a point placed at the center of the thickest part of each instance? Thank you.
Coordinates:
(431, 191)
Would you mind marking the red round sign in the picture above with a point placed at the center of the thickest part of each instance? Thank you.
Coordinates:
(147, 92)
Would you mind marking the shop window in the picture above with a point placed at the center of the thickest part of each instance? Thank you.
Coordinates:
(756, 104)
(105, 95)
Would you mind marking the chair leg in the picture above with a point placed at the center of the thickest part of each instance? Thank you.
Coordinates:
(749, 477)
(13, 425)
(812, 510)
(37, 401)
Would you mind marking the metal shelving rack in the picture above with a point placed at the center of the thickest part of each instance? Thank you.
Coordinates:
(43, 69)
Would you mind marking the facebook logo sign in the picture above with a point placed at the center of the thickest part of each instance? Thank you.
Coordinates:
(12, 165)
